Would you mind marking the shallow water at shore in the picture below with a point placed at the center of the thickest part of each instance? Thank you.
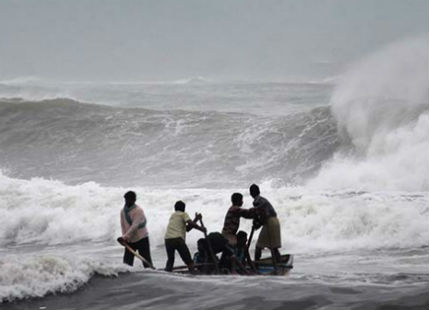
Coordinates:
(378, 279)
(157, 290)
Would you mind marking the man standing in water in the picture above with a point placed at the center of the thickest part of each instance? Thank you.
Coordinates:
(269, 237)
(175, 236)
(134, 230)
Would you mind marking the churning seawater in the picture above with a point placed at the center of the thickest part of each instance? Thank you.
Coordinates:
(345, 165)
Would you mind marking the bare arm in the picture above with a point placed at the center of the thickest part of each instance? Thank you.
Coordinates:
(247, 213)
(193, 224)
(122, 222)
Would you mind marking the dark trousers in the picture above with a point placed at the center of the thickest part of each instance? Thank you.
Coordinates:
(142, 246)
(171, 245)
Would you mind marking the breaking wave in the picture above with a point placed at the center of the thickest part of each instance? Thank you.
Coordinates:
(382, 110)
(76, 142)
(37, 276)
(349, 176)
(47, 212)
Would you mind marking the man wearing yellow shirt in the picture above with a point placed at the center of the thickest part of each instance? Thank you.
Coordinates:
(175, 237)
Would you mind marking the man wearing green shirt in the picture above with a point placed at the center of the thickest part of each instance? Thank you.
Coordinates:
(175, 236)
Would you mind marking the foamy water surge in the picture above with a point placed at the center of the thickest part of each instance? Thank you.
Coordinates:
(382, 107)
(24, 276)
(44, 213)
(352, 176)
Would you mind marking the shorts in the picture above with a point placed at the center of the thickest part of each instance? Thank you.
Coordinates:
(143, 247)
(269, 237)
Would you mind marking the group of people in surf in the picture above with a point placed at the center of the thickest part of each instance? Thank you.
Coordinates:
(232, 245)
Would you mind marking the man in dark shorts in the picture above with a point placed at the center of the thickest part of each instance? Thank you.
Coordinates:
(178, 225)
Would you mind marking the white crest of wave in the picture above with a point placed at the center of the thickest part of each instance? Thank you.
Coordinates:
(49, 212)
(27, 276)
(382, 106)
(348, 220)
(46, 212)
(40, 212)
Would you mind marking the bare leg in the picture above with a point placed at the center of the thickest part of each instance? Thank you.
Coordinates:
(274, 258)
(258, 253)
(191, 267)
(278, 256)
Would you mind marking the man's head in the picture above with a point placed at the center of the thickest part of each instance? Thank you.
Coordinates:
(130, 198)
(180, 206)
(237, 199)
(241, 238)
(201, 244)
(254, 190)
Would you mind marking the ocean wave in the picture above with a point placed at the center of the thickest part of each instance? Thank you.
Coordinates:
(46, 212)
(32, 88)
(140, 146)
(50, 225)
(381, 107)
(29, 276)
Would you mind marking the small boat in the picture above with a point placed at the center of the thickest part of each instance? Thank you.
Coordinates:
(264, 267)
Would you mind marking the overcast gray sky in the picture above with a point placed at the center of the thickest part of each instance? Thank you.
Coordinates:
(243, 39)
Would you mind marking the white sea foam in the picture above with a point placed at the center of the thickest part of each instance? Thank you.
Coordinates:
(48, 212)
(382, 107)
(27, 276)
(61, 220)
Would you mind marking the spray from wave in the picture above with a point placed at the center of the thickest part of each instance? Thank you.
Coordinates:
(37, 276)
(382, 109)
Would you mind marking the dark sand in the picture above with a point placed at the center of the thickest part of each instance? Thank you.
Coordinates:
(145, 290)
